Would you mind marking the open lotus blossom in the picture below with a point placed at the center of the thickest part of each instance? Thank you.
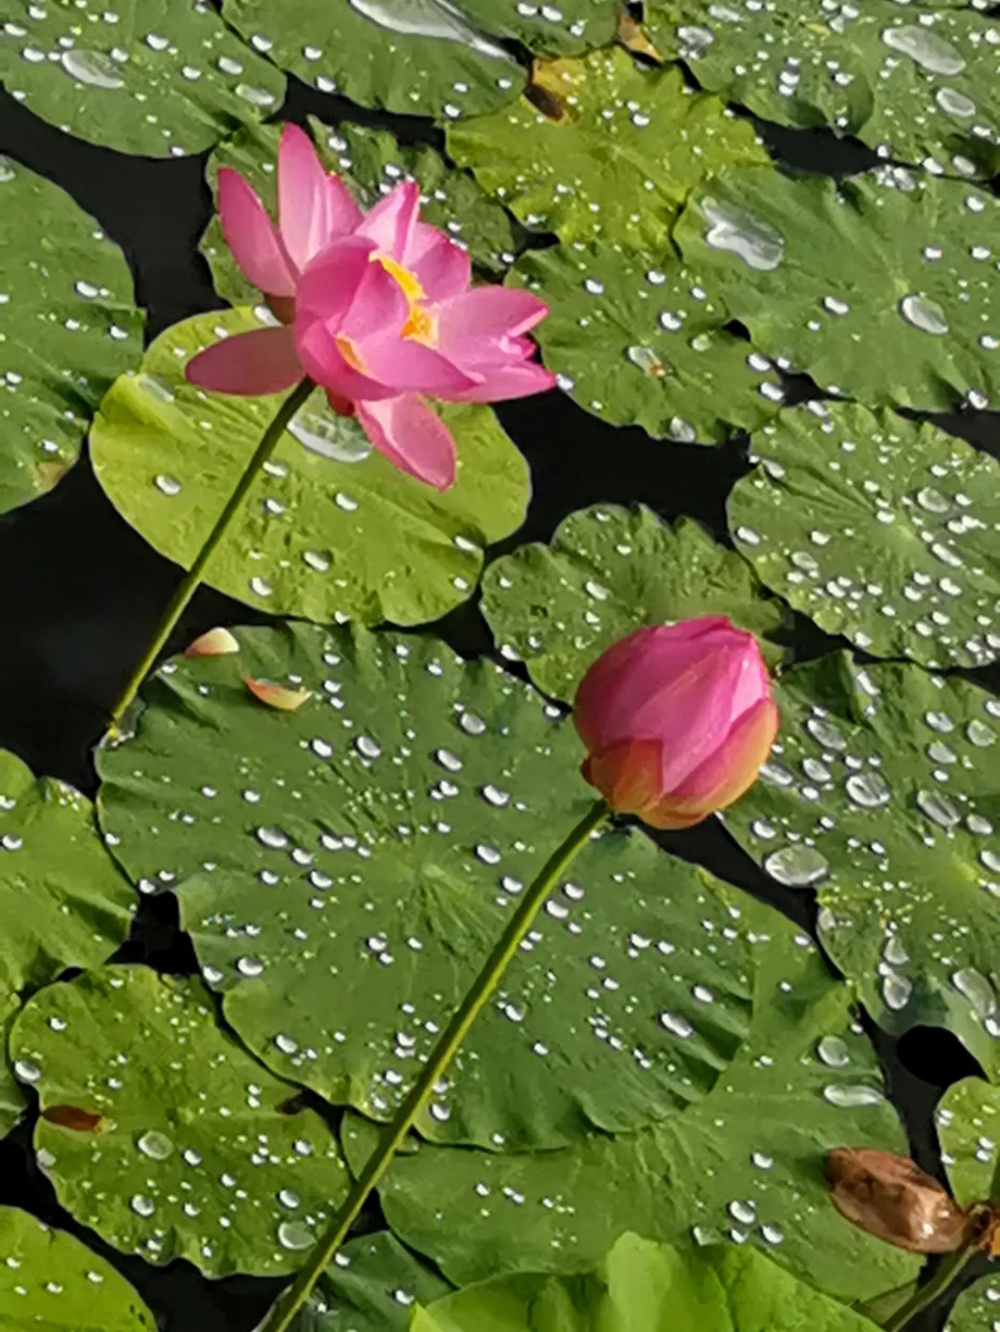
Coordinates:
(375, 307)
(677, 720)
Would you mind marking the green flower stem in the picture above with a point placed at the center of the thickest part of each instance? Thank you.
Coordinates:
(948, 1273)
(192, 580)
(282, 1313)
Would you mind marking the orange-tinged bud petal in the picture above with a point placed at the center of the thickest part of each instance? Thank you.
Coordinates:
(628, 776)
(891, 1197)
(216, 643)
(277, 696)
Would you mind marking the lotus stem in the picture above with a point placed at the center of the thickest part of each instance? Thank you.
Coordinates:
(948, 1272)
(290, 1303)
(191, 581)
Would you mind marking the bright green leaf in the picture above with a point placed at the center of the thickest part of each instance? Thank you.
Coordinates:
(369, 160)
(976, 1308)
(879, 528)
(744, 1164)
(155, 77)
(968, 1125)
(345, 869)
(52, 1283)
(629, 147)
(62, 901)
(422, 58)
(198, 1152)
(876, 286)
(881, 793)
(331, 529)
(638, 341)
(646, 1287)
(68, 326)
(607, 572)
(919, 84)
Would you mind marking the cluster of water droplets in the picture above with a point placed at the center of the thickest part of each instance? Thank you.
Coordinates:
(198, 1176)
(101, 48)
(896, 548)
(892, 834)
(910, 85)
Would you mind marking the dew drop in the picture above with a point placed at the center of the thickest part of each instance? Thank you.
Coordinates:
(677, 1026)
(851, 1096)
(157, 1146)
(797, 866)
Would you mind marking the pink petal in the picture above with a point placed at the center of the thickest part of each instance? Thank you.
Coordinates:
(249, 364)
(412, 367)
(488, 313)
(379, 307)
(328, 286)
(345, 214)
(390, 223)
(442, 268)
(303, 197)
(411, 436)
(323, 362)
(500, 383)
(252, 236)
(733, 768)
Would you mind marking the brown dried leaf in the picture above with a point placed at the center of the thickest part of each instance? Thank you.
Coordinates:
(891, 1197)
(72, 1117)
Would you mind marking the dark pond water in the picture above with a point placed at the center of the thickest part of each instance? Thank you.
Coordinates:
(80, 593)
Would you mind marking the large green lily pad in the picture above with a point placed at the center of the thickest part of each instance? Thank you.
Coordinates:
(370, 161)
(644, 1285)
(331, 529)
(155, 77)
(879, 528)
(566, 28)
(371, 1286)
(51, 1282)
(880, 291)
(639, 341)
(744, 1165)
(423, 58)
(345, 869)
(68, 326)
(607, 572)
(882, 794)
(163, 1135)
(618, 160)
(62, 901)
(918, 83)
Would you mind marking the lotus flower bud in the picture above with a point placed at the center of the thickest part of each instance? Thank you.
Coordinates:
(677, 720)
(891, 1197)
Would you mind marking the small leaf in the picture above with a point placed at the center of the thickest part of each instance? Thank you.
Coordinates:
(215, 643)
(881, 795)
(68, 325)
(197, 1159)
(608, 571)
(660, 138)
(343, 48)
(877, 292)
(153, 78)
(277, 696)
(51, 1281)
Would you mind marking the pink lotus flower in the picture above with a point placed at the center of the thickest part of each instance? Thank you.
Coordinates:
(677, 720)
(376, 308)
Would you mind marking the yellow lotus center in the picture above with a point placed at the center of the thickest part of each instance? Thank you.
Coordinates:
(420, 325)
